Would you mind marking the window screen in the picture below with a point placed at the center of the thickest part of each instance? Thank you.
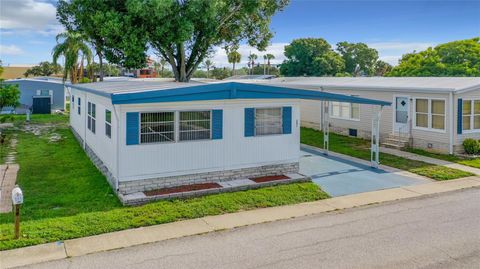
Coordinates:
(195, 125)
(157, 127)
(268, 121)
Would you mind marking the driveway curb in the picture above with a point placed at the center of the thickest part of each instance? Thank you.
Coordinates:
(144, 235)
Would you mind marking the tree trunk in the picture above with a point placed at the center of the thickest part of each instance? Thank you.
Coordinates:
(100, 62)
(233, 70)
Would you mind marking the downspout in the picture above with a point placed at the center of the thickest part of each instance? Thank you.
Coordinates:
(118, 148)
(322, 112)
(451, 120)
(85, 113)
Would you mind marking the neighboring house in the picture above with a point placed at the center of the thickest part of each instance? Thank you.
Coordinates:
(435, 113)
(50, 89)
(146, 135)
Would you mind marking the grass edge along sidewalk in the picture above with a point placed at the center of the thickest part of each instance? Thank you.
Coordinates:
(360, 148)
(133, 237)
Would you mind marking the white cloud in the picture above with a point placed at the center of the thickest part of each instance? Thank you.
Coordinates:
(391, 52)
(220, 57)
(29, 15)
(10, 50)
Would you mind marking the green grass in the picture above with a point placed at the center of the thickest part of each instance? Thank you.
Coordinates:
(55, 229)
(360, 148)
(67, 197)
(440, 172)
(475, 162)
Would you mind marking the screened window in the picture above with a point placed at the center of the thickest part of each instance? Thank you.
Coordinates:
(108, 123)
(91, 118)
(79, 103)
(72, 103)
(430, 113)
(268, 121)
(194, 125)
(157, 127)
(342, 110)
(471, 115)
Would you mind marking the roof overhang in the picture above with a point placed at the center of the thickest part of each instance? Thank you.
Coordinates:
(233, 90)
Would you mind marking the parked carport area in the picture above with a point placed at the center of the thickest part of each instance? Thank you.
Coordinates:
(341, 176)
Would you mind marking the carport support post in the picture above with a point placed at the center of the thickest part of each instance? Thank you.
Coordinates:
(375, 144)
(325, 127)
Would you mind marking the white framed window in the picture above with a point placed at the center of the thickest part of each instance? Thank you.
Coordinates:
(346, 111)
(195, 125)
(108, 123)
(79, 108)
(268, 121)
(430, 114)
(156, 127)
(471, 115)
(91, 117)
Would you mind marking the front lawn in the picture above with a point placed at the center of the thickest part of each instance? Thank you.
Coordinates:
(360, 148)
(475, 162)
(66, 197)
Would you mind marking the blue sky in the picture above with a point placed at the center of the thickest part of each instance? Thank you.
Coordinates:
(393, 27)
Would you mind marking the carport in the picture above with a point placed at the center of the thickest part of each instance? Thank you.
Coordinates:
(324, 98)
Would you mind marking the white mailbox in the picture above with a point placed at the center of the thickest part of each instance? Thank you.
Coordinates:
(17, 196)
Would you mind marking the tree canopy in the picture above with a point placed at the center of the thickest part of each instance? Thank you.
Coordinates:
(311, 57)
(358, 57)
(9, 93)
(43, 69)
(182, 32)
(457, 58)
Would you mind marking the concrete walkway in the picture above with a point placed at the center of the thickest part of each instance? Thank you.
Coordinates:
(416, 157)
(127, 238)
(8, 177)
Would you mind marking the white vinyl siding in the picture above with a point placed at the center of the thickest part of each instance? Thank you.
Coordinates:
(346, 111)
(430, 114)
(268, 121)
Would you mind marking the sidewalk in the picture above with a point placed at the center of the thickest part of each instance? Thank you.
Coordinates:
(8, 177)
(144, 235)
(416, 157)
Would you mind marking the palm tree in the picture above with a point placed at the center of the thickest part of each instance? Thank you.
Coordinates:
(208, 64)
(233, 58)
(266, 62)
(251, 59)
(72, 45)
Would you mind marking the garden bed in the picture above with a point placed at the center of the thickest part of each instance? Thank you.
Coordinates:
(184, 188)
(269, 178)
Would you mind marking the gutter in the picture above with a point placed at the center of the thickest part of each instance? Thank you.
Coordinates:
(451, 120)
(118, 148)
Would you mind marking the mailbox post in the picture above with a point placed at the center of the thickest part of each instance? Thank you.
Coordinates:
(17, 200)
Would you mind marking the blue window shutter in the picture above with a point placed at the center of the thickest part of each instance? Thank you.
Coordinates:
(249, 122)
(287, 119)
(217, 124)
(459, 116)
(132, 128)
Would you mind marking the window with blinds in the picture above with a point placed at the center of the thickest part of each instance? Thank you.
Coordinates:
(268, 121)
(157, 127)
(194, 125)
(430, 113)
(347, 111)
(471, 115)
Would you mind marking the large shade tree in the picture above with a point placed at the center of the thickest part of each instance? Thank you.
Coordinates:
(457, 58)
(183, 32)
(311, 57)
(359, 58)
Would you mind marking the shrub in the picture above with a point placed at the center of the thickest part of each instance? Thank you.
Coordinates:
(471, 146)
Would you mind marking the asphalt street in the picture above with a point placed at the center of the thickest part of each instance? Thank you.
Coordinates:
(441, 231)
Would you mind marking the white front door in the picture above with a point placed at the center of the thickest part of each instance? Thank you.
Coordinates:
(402, 114)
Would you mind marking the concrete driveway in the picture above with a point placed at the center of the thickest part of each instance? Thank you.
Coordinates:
(339, 176)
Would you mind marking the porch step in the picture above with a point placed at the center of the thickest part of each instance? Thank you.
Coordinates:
(400, 142)
(393, 145)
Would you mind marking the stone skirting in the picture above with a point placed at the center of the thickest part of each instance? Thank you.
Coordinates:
(128, 187)
(140, 198)
(96, 160)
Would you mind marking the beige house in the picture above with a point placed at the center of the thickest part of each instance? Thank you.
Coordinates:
(426, 112)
